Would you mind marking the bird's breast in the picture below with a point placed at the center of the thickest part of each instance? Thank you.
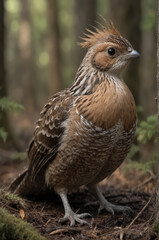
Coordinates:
(110, 103)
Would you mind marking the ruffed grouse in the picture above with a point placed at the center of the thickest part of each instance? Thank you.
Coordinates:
(84, 133)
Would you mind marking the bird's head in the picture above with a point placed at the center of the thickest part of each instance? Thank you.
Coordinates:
(108, 51)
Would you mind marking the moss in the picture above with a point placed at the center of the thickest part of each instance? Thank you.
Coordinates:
(155, 227)
(10, 196)
(10, 199)
(13, 228)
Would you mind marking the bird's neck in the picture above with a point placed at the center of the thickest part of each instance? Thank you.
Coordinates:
(88, 78)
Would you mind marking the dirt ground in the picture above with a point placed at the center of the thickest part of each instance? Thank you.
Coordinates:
(44, 213)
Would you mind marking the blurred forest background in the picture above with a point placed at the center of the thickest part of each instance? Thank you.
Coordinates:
(39, 56)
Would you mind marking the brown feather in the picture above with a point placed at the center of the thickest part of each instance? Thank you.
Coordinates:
(113, 106)
(85, 132)
(48, 133)
(93, 37)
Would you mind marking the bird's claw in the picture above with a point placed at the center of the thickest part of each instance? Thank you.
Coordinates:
(109, 207)
(73, 218)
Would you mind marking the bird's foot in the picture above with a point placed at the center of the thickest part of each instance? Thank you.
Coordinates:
(113, 208)
(104, 204)
(73, 218)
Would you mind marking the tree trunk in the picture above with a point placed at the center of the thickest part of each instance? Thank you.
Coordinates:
(27, 76)
(147, 66)
(2, 47)
(55, 82)
(126, 16)
(157, 185)
(4, 122)
(148, 72)
(85, 17)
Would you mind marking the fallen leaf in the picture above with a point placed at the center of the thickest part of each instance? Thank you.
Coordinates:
(22, 213)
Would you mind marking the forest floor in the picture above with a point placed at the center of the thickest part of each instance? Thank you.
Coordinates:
(132, 190)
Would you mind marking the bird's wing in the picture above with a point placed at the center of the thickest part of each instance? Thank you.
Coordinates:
(48, 132)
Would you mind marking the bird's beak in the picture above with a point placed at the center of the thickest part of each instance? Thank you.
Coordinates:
(133, 54)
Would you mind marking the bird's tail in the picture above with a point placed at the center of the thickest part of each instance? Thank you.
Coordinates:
(25, 186)
(16, 185)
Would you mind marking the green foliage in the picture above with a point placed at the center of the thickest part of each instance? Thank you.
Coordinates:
(155, 227)
(13, 228)
(21, 156)
(3, 134)
(7, 105)
(148, 165)
(149, 17)
(133, 150)
(147, 130)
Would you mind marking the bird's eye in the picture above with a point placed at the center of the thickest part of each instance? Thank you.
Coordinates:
(111, 51)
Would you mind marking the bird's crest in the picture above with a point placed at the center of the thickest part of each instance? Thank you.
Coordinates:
(92, 37)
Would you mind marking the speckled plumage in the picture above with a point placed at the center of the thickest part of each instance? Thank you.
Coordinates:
(90, 141)
(84, 133)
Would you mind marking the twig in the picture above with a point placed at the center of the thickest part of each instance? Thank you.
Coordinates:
(48, 221)
(121, 231)
(11, 208)
(121, 234)
(58, 231)
(115, 195)
(66, 230)
(126, 202)
(145, 182)
(139, 214)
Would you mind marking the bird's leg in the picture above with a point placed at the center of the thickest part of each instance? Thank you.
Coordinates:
(104, 204)
(69, 214)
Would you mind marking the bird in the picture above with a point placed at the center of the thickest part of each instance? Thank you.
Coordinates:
(84, 132)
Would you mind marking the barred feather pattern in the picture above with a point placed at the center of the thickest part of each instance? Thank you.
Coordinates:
(69, 147)
(87, 79)
(90, 151)
(50, 126)
(84, 133)
(49, 129)
(89, 155)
